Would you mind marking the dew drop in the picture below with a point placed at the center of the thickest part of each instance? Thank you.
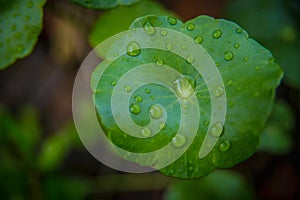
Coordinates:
(148, 91)
(217, 34)
(228, 55)
(113, 83)
(256, 68)
(29, 4)
(127, 88)
(156, 111)
(184, 46)
(169, 46)
(230, 104)
(218, 91)
(149, 29)
(190, 59)
(224, 146)
(245, 58)
(20, 48)
(217, 64)
(191, 168)
(238, 30)
(135, 109)
(162, 126)
(198, 39)
(146, 132)
(236, 45)
(163, 32)
(179, 140)
(159, 62)
(190, 26)
(172, 21)
(138, 98)
(205, 123)
(133, 49)
(216, 130)
(229, 82)
(183, 87)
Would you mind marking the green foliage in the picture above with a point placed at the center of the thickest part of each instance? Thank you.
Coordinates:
(24, 157)
(104, 4)
(250, 76)
(20, 26)
(277, 30)
(219, 185)
(276, 136)
(118, 20)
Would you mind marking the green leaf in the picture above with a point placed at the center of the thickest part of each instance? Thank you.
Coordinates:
(119, 19)
(53, 150)
(281, 37)
(21, 134)
(219, 185)
(250, 77)
(276, 137)
(104, 4)
(20, 26)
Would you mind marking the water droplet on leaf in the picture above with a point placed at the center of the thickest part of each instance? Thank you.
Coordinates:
(217, 34)
(149, 29)
(183, 88)
(228, 55)
(127, 88)
(179, 140)
(190, 26)
(216, 130)
(135, 109)
(224, 146)
(133, 49)
(156, 111)
(218, 91)
(198, 39)
(172, 21)
(138, 99)
(146, 132)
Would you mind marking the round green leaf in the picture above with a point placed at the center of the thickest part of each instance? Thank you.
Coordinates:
(104, 4)
(110, 24)
(250, 77)
(20, 25)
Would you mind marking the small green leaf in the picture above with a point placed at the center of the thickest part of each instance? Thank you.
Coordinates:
(104, 4)
(276, 137)
(218, 185)
(119, 19)
(248, 72)
(20, 26)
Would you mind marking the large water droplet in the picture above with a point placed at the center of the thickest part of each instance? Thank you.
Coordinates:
(190, 26)
(149, 29)
(218, 91)
(216, 130)
(133, 48)
(146, 132)
(135, 109)
(217, 34)
(179, 140)
(156, 111)
(198, 39)
(228, 55)
(183, 88)
(224, 146)
(172, 21)
(138, 99)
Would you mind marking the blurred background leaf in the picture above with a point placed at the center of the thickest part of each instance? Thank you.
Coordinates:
(104, 4)
(276, 138)
(219, 185)
(272, 23)
(119, 19)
